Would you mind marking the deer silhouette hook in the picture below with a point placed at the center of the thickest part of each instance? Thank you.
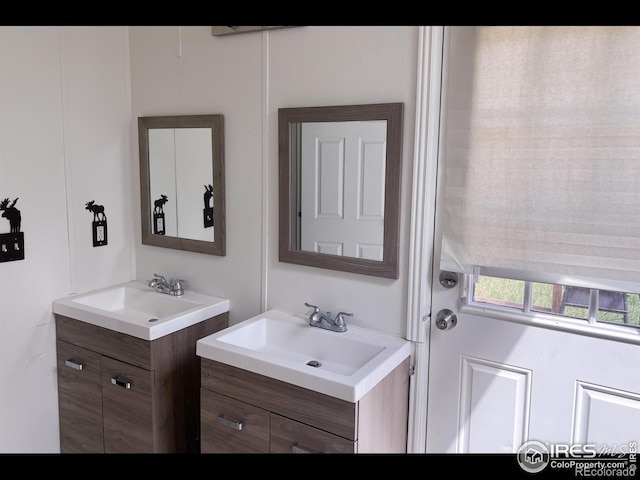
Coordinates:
(11, 213)
(98, 211)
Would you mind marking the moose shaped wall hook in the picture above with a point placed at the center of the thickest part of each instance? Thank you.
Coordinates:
(99, 223)
(207, 212)
(158, 215)
(12, 243)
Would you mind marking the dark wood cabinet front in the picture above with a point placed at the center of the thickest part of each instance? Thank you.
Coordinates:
(121, 394)
(289, 436)
(231, 426)
(127, 407)
(242, 411)
(80, 400)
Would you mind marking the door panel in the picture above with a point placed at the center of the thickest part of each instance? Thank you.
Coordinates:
(487, 387)
(127, 407)
(344, 167)
(606, 414)
(79, 399)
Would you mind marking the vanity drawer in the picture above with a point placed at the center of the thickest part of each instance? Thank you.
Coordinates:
(328, 413)
(104, 341)
(289, 436)
(232, 426)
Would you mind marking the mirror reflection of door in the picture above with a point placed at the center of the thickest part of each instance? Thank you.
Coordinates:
(193, 171)
(179, 166)
(162, 167)
(342, 188)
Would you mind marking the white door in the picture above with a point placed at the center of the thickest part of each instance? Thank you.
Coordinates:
(497, 380)
(495, 383)
(344, 166)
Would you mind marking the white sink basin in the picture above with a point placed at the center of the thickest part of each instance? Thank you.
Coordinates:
(136, 309)
(284, 346)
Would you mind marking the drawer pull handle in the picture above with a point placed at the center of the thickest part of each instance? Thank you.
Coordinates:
(229, 423)
(71, 363)
(121, 383)
(297, 448)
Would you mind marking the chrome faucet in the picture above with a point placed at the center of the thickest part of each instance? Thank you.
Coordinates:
(171, 287)
(324, 320)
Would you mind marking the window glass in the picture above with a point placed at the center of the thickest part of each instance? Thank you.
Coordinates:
(614, 307)
(499, 291)
(544, 298)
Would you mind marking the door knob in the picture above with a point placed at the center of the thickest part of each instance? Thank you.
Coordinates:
(446, 319)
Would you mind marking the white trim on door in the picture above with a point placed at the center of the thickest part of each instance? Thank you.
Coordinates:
(425, 162)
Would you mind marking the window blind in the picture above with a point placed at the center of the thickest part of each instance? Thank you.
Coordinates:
(541, 151)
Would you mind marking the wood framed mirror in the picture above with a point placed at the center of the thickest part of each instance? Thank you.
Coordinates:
(339, 187)
(182, 188)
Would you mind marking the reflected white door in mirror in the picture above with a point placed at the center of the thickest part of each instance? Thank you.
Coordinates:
(343, 213)
(340, 171)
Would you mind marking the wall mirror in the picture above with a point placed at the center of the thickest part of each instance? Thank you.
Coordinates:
(182, 182)
(339, 181)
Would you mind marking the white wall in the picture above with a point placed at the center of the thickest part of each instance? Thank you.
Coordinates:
(187, 71)
(315, 66)
(64, 120)
(96, 109)
(68, 135)
(247, 77)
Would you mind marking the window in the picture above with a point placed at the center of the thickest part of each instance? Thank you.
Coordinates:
(540, 188)
(541, 152)
(594, 306)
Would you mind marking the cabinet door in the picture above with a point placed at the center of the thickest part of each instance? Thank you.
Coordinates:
(289, 436)
(79, 399)
(232, 426)
(127, 408)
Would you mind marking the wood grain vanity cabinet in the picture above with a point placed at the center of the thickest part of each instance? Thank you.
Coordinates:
(121, 394)
(244, 412)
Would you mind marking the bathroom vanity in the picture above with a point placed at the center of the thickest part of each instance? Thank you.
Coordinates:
(124, 387)
(244, 412)
(275, 384)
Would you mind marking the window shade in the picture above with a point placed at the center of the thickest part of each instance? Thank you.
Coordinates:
(542, 151)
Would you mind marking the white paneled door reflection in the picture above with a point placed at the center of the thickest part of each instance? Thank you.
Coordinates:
(343, 177)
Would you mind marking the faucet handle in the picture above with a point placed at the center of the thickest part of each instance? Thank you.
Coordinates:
(316, 317)
(339, 320)
(316, 309)
(178, 286)
(159, 277)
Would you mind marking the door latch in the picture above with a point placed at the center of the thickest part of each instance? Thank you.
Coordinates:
(446, 319)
